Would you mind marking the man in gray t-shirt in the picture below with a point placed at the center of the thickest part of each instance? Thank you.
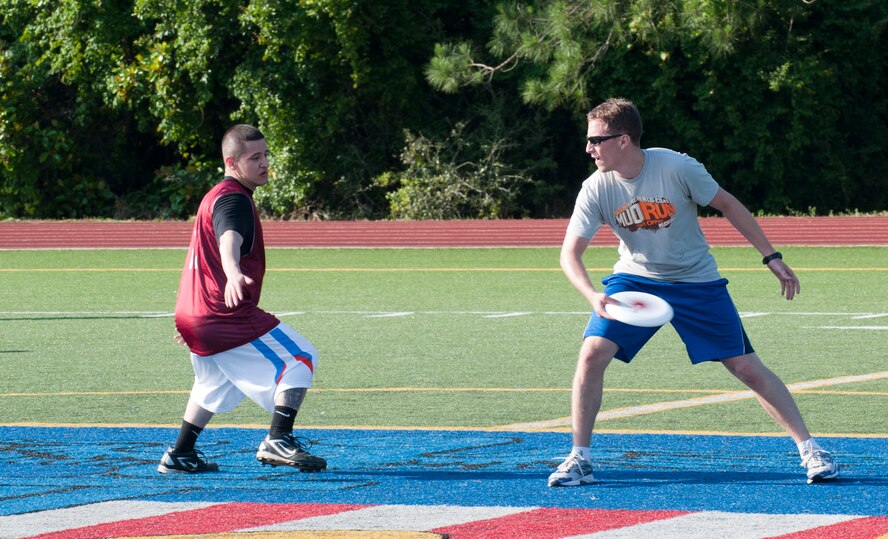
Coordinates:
(649, 199)
(654, 214)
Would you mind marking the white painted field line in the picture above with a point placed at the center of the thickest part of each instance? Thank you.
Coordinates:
(507, 315)
(697, 401)
(98, 394)
(391, 315)
(840, 380)
(488, 314)
(141, 314)
(876, 328)
(808, 314)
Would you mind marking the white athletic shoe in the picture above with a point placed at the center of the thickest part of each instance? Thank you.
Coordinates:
(820, 466)
(574, 471)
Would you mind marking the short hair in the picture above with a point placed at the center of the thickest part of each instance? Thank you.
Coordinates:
(234, 139)
(621, 116)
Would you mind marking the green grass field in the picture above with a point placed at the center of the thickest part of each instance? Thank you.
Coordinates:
(442, 338)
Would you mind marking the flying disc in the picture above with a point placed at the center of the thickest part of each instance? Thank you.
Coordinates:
(639, 309)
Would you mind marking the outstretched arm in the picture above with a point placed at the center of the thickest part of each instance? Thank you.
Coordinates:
(746, 224)
(236, 284)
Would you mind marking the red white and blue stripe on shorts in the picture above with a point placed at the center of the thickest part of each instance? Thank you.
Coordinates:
(290, 346)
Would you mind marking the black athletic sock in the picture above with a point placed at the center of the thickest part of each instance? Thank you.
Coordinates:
(282, 421)
(188, 434)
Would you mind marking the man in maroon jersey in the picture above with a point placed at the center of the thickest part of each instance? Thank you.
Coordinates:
(237, 349)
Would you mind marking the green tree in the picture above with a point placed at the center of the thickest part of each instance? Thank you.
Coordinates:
(116, 107)
(331, 83)
(750, 88)
(62, 152)
(335, 83)
(123, 102)
(453, 179)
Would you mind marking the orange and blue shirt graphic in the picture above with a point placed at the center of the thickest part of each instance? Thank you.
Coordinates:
(649, 213)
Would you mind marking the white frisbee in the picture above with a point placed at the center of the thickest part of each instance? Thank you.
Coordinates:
(640, 309)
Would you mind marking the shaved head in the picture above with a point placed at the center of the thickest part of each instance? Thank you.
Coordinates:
(234, 139)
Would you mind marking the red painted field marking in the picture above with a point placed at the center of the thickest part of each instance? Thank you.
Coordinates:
(550, 523)
(224, 517)
(861, 528)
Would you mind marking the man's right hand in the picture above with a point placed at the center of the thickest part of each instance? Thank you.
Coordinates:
(599, 300)
(235, 290)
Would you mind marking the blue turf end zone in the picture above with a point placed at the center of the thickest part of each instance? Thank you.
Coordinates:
(48, 468)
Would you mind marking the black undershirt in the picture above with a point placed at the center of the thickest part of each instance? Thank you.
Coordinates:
(234, 211)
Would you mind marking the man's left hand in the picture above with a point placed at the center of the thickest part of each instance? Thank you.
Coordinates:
(789, 283)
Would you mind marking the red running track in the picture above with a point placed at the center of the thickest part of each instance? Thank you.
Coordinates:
(782, 231)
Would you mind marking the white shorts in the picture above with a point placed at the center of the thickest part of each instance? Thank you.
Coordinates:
(279, 360)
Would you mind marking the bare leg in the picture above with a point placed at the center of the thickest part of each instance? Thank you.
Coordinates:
(286, 406)
(196, 414)
(771, 393)
(182, 457)
(291, 398)
(588, 386)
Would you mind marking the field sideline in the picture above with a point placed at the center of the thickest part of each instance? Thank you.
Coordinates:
(432, 428)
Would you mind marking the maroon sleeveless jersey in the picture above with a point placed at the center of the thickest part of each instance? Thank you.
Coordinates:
(205, 323)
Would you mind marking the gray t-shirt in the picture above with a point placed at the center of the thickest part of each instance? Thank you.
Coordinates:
(654, 215)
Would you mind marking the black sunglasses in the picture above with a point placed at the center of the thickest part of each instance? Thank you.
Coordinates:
(595, 141)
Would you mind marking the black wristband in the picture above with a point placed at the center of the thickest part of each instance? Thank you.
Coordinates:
(774, 256)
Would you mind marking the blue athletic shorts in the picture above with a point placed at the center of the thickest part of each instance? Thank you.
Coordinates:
(705, 318)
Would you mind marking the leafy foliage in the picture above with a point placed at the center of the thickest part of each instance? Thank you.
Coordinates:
(750, 88)
(62, 152)
(175, 192)
(115, 108)
(451, 179)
